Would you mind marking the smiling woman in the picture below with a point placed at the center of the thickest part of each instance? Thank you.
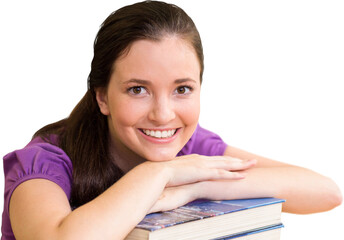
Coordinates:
(167, 100)
(134, 140)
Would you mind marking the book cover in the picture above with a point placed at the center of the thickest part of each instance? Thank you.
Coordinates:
(256, 234)
(204, 219)
(201, 209)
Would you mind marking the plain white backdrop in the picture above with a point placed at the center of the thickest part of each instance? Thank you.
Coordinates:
(273, 80)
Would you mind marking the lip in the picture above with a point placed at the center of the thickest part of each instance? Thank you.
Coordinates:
(159, 140)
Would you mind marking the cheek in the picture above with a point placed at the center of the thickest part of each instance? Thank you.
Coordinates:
(127, 113)
(189, 112)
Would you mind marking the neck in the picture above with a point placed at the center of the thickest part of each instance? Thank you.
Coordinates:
(123, 157)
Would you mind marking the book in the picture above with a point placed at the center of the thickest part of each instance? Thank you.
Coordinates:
(204, 219)
(265, 233)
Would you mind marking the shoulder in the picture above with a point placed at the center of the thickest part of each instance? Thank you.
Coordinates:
(204, 142)
(39, 159)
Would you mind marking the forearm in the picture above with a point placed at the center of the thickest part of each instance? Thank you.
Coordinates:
(39, 209)
(304, 191)
(114, 213)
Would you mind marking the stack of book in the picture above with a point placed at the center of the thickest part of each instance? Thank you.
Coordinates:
(246, 219)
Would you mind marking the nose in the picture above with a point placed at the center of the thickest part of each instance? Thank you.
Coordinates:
(162, 111)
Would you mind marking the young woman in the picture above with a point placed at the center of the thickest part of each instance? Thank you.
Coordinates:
(133, 145)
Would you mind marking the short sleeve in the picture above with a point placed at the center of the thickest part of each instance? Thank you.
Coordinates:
(204, 142)
(37, 160)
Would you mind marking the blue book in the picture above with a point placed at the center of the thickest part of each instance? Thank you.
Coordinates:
(204, 219)
(270, 232)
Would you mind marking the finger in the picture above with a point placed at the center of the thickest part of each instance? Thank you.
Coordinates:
(196, 174)
(219, 174)
(237, 166)
(227, 175)
(232, 164)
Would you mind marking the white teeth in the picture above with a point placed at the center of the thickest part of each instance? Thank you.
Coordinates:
(160, 134)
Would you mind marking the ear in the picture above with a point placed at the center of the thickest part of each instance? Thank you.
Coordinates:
(102, 101)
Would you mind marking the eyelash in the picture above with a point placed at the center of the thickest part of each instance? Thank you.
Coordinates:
(185, 87)
(131, 89)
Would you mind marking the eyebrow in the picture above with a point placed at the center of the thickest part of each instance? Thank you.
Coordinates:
(146, 82)
(183, 80)
(138, 81)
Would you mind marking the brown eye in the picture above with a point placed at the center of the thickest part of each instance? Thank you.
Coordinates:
(137, 90)
(181, 90)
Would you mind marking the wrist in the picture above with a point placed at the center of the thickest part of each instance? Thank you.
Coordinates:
(199, 190)
(159, 169)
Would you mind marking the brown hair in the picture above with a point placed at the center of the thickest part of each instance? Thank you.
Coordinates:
(84, 134)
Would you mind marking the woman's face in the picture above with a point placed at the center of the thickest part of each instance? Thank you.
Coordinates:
(153, 98)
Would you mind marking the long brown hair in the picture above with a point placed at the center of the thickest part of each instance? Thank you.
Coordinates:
(84, 135)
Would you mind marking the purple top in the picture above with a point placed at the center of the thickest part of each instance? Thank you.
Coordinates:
(40, 159)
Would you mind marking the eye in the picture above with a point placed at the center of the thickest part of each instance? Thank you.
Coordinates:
(137, 90)
(183, 90)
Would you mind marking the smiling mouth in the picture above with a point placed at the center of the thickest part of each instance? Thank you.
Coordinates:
(158, 133)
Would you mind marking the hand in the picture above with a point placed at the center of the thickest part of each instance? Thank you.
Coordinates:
(173, 197)
(188, 173)
(196, 168)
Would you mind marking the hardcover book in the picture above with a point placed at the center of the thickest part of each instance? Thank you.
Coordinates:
(265, 233)
(203, 219)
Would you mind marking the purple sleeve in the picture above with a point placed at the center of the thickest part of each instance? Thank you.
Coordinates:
(204, 142)
(37, 160)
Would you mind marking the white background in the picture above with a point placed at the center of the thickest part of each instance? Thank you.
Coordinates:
(273, 81)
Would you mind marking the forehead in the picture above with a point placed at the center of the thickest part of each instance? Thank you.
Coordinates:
(170, 57)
